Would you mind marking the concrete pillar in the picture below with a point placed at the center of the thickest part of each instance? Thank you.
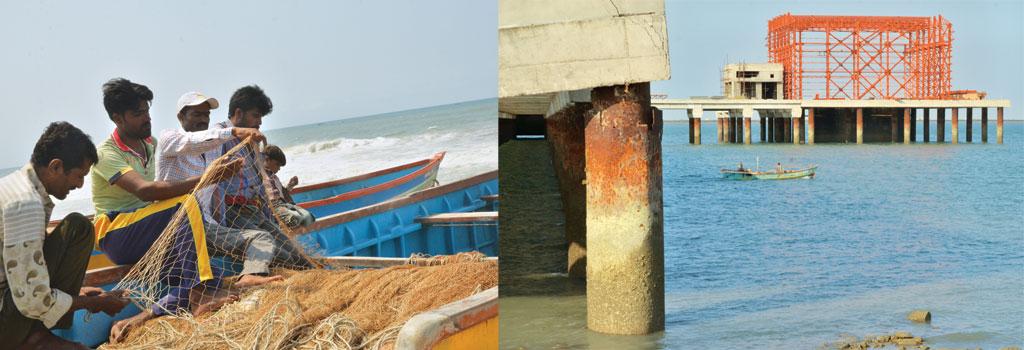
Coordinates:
(906, 126)
(926, 137)
(758, 89)
(913, 125)
(810, 126)
(970, 125)
(727, 132)
(771, 127)
(719, 127)
(625, 228)
(689, 121)
(747, 114)
(698, 112)
(565, 132)
(739, 128)
(984, 124)
(787, 129)
(954, 126)
(894, 128)
(794, 117)
(940, 126)
(999, 125)
(764, 128)
(860, 126)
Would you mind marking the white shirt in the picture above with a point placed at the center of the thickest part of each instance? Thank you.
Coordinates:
(185, 154)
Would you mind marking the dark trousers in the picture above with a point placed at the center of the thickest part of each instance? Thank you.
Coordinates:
(66, 252)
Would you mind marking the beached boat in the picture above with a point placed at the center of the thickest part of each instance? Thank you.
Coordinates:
(751, 174)
(448, 219)
(342, 195)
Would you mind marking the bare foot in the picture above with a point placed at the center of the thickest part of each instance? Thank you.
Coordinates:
(43, 339)
(214, 305)
(247, 281)
(119, 332)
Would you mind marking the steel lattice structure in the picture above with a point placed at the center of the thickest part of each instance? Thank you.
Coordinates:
(862, 57)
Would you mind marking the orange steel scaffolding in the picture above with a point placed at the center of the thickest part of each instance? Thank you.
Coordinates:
(862, 57)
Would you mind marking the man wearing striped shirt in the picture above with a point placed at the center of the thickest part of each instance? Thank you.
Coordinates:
(42, 275)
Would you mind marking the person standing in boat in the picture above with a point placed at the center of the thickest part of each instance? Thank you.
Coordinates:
(245, 197)
(41, 281)
(778, 168)
(132, 209)
(186, 152)
(280, 195)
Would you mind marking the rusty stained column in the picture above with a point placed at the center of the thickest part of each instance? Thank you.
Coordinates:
(913, 125)
(747, 114)
(984, 124)
(764, 128)
(810, 126)
(999, 125)
(927, 129)
(860, 126)
(954, 122)
(940, 125)
(625, 243)
(718, 127)
(695, 115)
(969, 126)
(727, 130)
(795, 116)
(689, 122)
(565, 130)
(906, 126)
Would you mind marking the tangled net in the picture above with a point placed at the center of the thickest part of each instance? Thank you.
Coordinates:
(325, 309)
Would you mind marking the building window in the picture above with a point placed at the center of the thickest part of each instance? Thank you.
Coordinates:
(746, 74)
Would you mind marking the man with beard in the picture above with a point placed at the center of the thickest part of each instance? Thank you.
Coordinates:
(132, 210)
(186, 152)
(245, 197)
(41, 282)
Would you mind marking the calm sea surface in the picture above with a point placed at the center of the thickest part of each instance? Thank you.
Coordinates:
(884, 229)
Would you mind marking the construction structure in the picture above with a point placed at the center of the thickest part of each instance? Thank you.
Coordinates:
(847, 79)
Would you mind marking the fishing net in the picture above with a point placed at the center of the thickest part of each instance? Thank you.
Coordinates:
(338, 308)
(222, 228)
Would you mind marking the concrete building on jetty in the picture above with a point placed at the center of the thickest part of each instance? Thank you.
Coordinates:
(846, 79)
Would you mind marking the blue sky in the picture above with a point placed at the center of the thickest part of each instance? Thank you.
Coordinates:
(317, 60)
(988, 40)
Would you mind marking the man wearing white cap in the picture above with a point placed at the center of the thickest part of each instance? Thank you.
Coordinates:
(186, 152)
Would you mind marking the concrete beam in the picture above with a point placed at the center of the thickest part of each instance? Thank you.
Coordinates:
(714, 104)
(580, 44)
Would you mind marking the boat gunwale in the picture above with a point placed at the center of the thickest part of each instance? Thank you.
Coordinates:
(432, 164)
(332, 183)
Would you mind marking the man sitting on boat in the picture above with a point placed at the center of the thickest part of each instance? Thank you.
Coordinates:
(132, 210)
(245, 197)
(186, 152)
(280, 196)
(41, 282)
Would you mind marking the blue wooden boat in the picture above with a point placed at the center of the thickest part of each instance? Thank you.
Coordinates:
(342, 195)
(779, 174)
(446, 219)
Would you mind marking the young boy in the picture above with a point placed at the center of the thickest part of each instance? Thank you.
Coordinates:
(280, 199)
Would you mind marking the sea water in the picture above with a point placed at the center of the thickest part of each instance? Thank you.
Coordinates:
(882, 230)
(337, 149)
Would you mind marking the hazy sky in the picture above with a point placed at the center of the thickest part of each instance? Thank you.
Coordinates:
(317, 60)
(988, 41)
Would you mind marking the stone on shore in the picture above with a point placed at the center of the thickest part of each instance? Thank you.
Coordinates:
(920, 316)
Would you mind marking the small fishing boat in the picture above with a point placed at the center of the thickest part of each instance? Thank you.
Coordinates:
(443, 220)
(778, 174)
(332, 197)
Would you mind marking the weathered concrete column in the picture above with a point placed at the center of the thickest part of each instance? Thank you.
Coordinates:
(764, 128)
(810, 126)
(913, 125)
(906, 126)
(625, 243)
(894, 128)
(719, 127)
(795, 115)
(940, 126)
(565, 133)
(689, 123)
(698, 112)
(984, 124)
(954, 125)
(739, 128)
(771, 127)
(860, 126)
(726, 129)
(970, 125)
(926, 137)
(787, 127)
(747, 114)
(999, 125)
